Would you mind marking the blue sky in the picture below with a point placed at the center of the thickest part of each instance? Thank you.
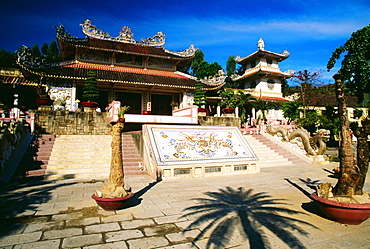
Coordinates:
(309, 30)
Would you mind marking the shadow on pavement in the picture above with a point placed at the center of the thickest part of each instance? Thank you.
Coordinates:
(311, 206)
(136, 199)
(20, 201)
(229, 210)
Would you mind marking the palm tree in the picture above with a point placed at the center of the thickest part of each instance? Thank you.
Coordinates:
(263, 106)
(115, 186)
(229, 209)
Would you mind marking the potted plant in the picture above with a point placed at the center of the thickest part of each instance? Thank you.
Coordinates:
(114, 195)
(229, 101)
(232, 99)
(43, 93)
(90, 92)
(200, 97)
(352, 173)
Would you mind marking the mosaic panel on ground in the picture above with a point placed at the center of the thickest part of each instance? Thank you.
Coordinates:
(197, 151)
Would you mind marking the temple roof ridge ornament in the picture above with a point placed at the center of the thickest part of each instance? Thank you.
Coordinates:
(186, 53)
(215, 80)
(62, 33)
(125, 35)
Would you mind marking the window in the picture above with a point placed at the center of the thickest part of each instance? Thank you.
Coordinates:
(270, 84)
(253, 84)
(269, 62)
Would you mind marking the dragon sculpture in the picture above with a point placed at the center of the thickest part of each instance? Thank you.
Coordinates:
(314, 146)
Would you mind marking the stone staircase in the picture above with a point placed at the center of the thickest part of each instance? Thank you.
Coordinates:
(34, 162)
(89, 157)
(271, 154)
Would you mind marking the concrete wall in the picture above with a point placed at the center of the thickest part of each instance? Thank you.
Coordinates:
(72, 123)
(218, 121)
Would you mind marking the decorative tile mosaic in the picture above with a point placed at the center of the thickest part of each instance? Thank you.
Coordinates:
(198, 144)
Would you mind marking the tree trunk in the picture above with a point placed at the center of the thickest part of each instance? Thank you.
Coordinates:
(362, 154)
(115, 186)
(349, 176)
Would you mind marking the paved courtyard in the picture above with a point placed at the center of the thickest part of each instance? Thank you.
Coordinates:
(61, 214)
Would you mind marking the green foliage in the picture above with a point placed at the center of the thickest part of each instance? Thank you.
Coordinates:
(35, 51)
(90, 90)
(6, 95)
(233, 99)
(123, 110)
(50, 52)
(201, 68)
(7, 59)
(355, 66)
(199, 95)
(229, 99)
(291, 110)
(263, 106)
(310, 121)
(42, 91)
(330, 120)
(230, 70)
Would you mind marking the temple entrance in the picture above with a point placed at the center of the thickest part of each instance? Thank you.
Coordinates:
(161, 104)
(130, 99)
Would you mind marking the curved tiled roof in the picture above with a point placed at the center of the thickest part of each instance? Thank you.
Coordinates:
(125, 48)
(121, 75)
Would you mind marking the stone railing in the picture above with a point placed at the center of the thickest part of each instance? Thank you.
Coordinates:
(72, 123)
(14, 139)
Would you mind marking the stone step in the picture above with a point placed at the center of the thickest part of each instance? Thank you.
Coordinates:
(77, 156)
(267, 157)
(278, 150)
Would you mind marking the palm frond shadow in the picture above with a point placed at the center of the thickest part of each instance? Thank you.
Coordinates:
(229, 210)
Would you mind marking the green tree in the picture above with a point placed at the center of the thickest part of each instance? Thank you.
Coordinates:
(35, 51)
(353, 76)
(199, 95)
(263, 106)
(230, 70)
(330, 120)
(213, 68)
(310, 122)
(90, 89)
(53, 53)
(7, 59)
(306, 79)
(45, 49)
(201, 68)
(291, 110)
(355, 66)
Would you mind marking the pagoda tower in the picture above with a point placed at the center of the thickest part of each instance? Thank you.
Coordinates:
(262, 76)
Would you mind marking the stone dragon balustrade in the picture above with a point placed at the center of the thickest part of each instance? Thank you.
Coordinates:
(314, 146)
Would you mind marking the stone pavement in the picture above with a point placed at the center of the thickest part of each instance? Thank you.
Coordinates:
(61, 214)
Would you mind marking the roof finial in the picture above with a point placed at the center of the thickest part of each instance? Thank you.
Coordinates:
(261, 44)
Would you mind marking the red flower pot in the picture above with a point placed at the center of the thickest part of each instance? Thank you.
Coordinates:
(112, 204)
(228, 110)
(89, 104)
(44, 101)
(200, 109)
(344, 213)
(145, 112)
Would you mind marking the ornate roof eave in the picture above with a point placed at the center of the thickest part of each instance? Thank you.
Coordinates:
(215, 82)
(262, 70)
(262, 53)
(125, 35)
